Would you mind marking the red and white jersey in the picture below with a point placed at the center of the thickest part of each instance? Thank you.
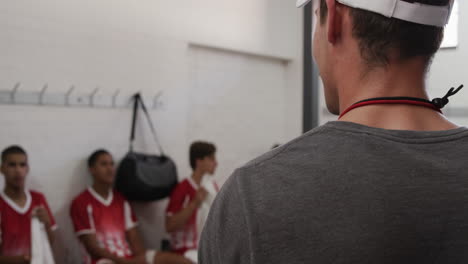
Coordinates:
(186, 238)
(108, 219)
(15, 223)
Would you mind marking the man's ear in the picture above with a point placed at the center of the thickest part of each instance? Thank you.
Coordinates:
(334, 19)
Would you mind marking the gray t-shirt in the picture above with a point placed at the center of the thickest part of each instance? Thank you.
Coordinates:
(346, 193)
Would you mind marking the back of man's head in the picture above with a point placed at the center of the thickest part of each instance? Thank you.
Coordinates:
(381, 38)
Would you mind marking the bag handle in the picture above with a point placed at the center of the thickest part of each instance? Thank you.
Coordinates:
(138, 101)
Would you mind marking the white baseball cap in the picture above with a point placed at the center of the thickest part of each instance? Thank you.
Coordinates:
(412, 12)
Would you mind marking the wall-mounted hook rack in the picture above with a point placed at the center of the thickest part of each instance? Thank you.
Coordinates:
(72, 98)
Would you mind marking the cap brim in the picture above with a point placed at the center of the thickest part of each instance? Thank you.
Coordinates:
(301, 3)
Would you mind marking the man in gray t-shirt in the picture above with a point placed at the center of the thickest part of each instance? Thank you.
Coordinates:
(387, 183)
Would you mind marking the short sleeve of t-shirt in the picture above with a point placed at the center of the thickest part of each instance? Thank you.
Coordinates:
(81, 215)
(130, 217)
(177, 199)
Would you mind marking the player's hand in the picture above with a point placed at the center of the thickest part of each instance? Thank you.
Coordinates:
(26, 259)
(165, 257)
(41, 214)
(201, 195)
(138, 260)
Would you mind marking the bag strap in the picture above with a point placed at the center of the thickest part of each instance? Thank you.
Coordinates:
(135, 114)
(138, 101)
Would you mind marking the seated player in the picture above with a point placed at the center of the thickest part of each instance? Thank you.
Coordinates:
(184, 209)
(105, 223)
(17, 206)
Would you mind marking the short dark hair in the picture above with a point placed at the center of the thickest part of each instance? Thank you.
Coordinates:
(95, 156)
(380, 36)
(200, 150)
(12, 150)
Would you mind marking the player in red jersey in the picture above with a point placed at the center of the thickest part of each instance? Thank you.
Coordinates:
(105, 223)
(187, 198)
(17, 206)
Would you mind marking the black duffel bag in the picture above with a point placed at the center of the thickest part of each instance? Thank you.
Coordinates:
(143, 177)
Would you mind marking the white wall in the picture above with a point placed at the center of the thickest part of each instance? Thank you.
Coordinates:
(148, 46)
(449, 70)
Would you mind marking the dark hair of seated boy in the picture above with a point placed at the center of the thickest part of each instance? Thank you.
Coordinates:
(105, 223)
(17, 207)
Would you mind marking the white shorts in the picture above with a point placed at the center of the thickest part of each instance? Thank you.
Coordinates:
(192, 255)
(150, 254)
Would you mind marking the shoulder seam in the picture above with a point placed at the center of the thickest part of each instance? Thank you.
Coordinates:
(289, 145)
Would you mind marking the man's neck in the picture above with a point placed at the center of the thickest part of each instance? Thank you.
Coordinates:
(15, 194)
(406, 79)
(102, 189)
(197, 176)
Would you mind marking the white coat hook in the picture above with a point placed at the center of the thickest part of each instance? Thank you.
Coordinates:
(114, 98)
(41, 94)
(156, 99)
(93, 94)
(68, 94)
(14, 91)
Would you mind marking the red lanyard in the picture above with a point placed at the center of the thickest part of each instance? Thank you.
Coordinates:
(392, 100)
(436, 104)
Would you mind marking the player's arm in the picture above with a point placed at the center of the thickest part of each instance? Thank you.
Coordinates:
(15, 260)
(90, 243)
(178, 220)
(135, 242)
(50, 234)
(43, 216)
